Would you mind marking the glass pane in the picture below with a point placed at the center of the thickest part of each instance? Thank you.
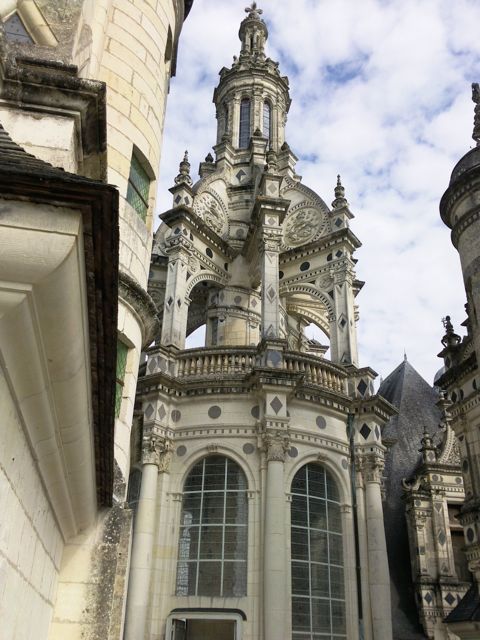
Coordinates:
(213, 508)
(209, 578)
(236, 479)
(321, 616)
(188, 543)
(214, 474)
(235, 547)
(194, 479)
(334, 517)
(235, 579)
(299, 484)
(191, 509)
(338, 617)
(266, 120)
(318, 513)
(244, 133)
(318, 546)
(118, 398)
(300, 579)
(300, 614)
(299, 544)
(211, 542)
(316, 481)
(236, 507)
(122, 351)
(337, 585)
(320, 580)
(186, 578)
(138, 188)
(299, 511)
(336, 549)
(332, 489)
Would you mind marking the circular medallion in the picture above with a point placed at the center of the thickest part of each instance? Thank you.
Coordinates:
(302, 225)
(210, 210)
(248, 448)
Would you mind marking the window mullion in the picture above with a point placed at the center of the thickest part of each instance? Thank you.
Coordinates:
(200, 523)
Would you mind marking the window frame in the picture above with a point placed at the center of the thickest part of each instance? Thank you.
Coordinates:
(135, 189)
(267, 107)
(245, 124)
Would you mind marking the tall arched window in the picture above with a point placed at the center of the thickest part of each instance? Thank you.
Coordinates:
(267, 118)
(318, 591)
(212, 549)
(244, 131)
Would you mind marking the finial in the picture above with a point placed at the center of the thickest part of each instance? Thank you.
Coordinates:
(476, 118)
(340, 200)
(253, 11)
(209, 158)
(450, 338)
(404, 355)
(183, 176)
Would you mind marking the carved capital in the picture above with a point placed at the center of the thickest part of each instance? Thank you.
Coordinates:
(276, 446)
(372, 466)
(158, 451)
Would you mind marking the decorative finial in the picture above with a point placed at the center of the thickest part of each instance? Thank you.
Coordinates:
(253, 11)
(340, 200)
(404, 355)
(184, 172)
(450, 338)
(476, 118)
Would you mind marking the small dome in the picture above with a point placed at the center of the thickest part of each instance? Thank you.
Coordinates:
(469, 161)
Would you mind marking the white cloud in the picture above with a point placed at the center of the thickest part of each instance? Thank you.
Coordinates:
(381, 94)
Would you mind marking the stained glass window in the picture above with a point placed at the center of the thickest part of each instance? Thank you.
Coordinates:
(122, 352)
(318, 591)
(16, 31)
(244, 133)
(212, 548)
(267, 111)
(138, 188)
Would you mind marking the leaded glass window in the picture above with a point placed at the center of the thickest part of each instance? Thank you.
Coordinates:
(212, 548)
(267, 116)
(122, 352)
(318, 591)
(244, 133)
(138, 188)
(16, 31)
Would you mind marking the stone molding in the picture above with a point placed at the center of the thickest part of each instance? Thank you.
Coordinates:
(276, 445)
(142, 303)
(158, 451)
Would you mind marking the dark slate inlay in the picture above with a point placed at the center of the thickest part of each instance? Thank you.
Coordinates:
(271, 221)
(293, 452)
(428, 598)
(176, 415)
(176, 231)
(280, 275)
(377, 433)
(181, 451)
(458, 480)
(255, 412)
(240, 174)
(248, 448)
(339, 254)
(209, 252)
(275, 357)
(450, 598)
(344, 464)
(214, 412)
(442, 537)
(187, 200)
(465, 466)
(240, 234)
(418, 503)
(474, 384)
(438, 507)
(271, 294)
(276, 404)
(149, 411)
(161, 412)
(435, 478)
(470, 534)
(321, 422)
(338, 223)
(254, 303)
(343, 322)
(237, 299)
(365, 431)
(329, 257)
(305, 266)
(362, 386)
(177, 199)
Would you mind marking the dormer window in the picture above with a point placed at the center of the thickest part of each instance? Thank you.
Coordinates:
(267, 119)
(15, 30)
(244, 132)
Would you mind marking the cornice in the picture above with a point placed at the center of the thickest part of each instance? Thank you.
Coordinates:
(142, 303)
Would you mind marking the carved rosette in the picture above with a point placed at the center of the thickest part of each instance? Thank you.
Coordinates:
(276, 446)
(158, 451)
(304, 223)
(210, 209)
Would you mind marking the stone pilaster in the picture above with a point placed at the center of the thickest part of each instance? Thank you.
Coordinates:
(343, 325)
(175, 310)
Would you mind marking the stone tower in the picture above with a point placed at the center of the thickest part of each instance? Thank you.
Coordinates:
(246, 436)
(83, 87)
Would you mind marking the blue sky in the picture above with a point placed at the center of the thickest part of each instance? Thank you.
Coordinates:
(381, 94)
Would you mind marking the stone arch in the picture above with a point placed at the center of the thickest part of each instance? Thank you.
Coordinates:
(311, 290)
(323, 459)
(204, 275)
(310, 315)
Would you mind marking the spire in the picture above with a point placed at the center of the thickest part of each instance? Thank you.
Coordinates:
(183, 176)
(340, 200)
(476, 119)
(253, 34)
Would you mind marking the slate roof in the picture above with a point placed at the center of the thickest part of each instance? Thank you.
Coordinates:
(468, 609)
(416, 401)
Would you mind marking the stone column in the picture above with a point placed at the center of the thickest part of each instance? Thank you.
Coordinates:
(175, 310)
(343, 326)
(363, 549)
(156, 458)
(275, 602)
(379, 576)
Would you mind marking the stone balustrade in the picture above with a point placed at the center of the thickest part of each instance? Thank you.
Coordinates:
(219, 362)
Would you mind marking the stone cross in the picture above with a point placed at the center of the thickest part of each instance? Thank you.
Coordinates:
(253, 11)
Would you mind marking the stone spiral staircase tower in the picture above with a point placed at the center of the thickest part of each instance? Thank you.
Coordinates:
(257, 256)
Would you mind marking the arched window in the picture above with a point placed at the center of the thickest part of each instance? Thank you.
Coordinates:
(244, 132)
(318, 591)
(267, 118)
(212, 548)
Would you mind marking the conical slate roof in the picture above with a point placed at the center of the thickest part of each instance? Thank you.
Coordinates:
(416, 401)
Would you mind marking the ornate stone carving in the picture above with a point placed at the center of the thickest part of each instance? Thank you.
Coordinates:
(209, 208)
(303, 224)
(276, 446)
(157, 450)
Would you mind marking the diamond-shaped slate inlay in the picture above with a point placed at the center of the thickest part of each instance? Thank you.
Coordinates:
(177, 199)
(450, 598)
(271, 221)
(338, 223)
(271, 293)
(377, 432)
(169, 301)
(151, 364)
(362, 386)
(438, 507)
(214, 412)
(342, 322)
(161, 412)
(149, 411)
(240, 174)
(272, 188)
(176, 415)
(428, 597)
(365, 431)
(442, 538)
(276, 404)
(338, 253)
(254, 303)
(274, 357)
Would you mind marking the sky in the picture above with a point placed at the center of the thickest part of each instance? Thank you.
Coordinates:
(380, 94)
